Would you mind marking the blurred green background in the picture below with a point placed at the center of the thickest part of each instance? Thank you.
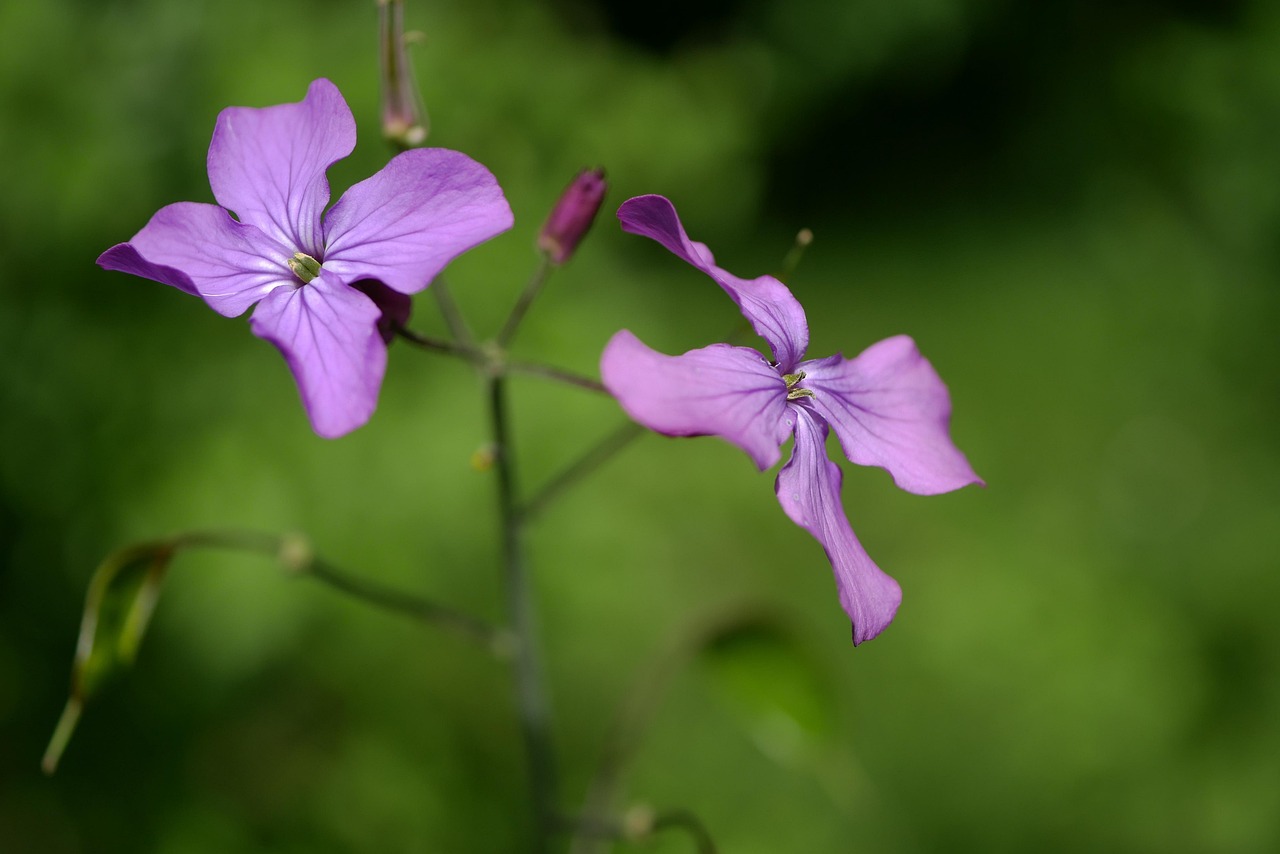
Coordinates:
(1072, 207)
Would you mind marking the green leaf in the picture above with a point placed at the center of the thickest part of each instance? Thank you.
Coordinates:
(774, 685)
(118, 606)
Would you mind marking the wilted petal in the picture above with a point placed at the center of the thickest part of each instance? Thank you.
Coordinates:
(890, 409)
(719, 390)
(404, 224)
(268, 164)
(328, 334)
(774, 313)
(809, 490)
(200, 249)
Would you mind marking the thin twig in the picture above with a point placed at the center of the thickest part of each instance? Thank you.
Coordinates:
(439, 345)
(597, 456)
(559, 374)
(453, 318)
(295, 555)
(531, 290)
(635, 713)
(686, 820)
(415, 607)
(488, 356)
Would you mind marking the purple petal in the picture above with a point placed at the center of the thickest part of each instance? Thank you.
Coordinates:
(890, 409)
(808, 488)
(774, 313)
(328, 334)
(268, 165)
(404, 224)
(200, 249)
(719, 390)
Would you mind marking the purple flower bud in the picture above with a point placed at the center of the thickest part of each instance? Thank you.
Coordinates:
(572, 216)
(404, 119)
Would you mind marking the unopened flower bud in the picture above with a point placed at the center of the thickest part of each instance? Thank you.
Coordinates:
(572, 216)
(404, 119)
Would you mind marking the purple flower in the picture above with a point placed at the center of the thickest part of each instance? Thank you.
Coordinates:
(888, 407)
(312, 273)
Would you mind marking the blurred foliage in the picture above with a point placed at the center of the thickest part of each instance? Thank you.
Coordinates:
(1072, 207)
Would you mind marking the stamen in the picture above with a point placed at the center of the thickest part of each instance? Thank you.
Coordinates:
(304, 266)
(794, 393)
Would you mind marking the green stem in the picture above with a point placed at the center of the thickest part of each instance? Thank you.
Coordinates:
(414, 607)
(531, 699)
(633, 717)
(439, 345)
(597, 456)
(531, 290)
(453, 318)
(550, 372)
(690, 823)
(295, 555)
(804, 237)
(639, 824)
(491, 356)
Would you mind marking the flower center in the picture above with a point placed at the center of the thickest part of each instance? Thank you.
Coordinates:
(307, 268)
(794, 392)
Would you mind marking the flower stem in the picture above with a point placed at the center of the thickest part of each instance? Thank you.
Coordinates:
(453, 318)
(804, 237)
(415, 607)
(439, 345)
(550, 372)
(531, 698)
(598, 455)
(483, 356)
(634, 714)
(638, 825)
(295, 555)
(531, 290)
(690, 823)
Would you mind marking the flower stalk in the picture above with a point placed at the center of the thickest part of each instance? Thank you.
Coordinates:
(404, 118)
(295, 555)
(532, 703)
(531, 290)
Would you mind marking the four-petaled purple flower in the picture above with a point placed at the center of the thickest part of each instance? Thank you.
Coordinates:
(888, 408)
(318, 278)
